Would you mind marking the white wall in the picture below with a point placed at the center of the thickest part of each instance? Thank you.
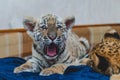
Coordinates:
(85, 11)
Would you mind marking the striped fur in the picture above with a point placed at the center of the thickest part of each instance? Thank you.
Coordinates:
(54, 45)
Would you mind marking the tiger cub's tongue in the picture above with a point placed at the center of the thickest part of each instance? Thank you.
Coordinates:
(51, 50)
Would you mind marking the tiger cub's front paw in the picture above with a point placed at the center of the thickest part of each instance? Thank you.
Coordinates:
(26, 67)
(47, 72)
(58, 68)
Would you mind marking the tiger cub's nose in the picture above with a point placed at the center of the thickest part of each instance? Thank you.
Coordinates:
(52, 37)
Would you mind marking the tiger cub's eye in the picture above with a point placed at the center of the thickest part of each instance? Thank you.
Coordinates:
(59, 26)
(43, 27)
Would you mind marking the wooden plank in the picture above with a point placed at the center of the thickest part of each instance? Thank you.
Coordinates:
(12, 30)
(76, 26)
(96, 25)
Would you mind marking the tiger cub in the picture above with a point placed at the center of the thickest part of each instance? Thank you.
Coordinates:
(54, 47)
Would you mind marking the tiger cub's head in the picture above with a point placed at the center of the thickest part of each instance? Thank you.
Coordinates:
(49, 34)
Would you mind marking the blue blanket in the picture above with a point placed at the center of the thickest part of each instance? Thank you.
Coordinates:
(7, 66)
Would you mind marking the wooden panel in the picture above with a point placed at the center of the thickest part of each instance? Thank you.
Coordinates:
(3, 47)
(12, 30)
(82, 32)
(76, 26)
(13, 50)
(10, 37)
(117, 28)
(3, 52)
(27, 45)
(98, 25)
(2, 40)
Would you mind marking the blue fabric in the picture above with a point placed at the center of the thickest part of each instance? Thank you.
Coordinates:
(7, 66)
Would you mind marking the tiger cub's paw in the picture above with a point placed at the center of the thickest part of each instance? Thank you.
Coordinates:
(47, 72)
(26, 67)
(58, 68)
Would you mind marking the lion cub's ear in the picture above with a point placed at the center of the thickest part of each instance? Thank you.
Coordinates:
(29, 23)
(69, 22)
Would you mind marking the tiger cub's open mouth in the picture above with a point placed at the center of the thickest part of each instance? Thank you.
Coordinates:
(51, 50)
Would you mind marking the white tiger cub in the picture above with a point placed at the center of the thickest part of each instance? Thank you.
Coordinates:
(55, 46)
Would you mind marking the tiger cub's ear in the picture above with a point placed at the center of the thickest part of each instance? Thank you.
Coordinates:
(29, 23)
(69, 22)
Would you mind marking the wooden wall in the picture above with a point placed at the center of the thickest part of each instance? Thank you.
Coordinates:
(17, 43)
